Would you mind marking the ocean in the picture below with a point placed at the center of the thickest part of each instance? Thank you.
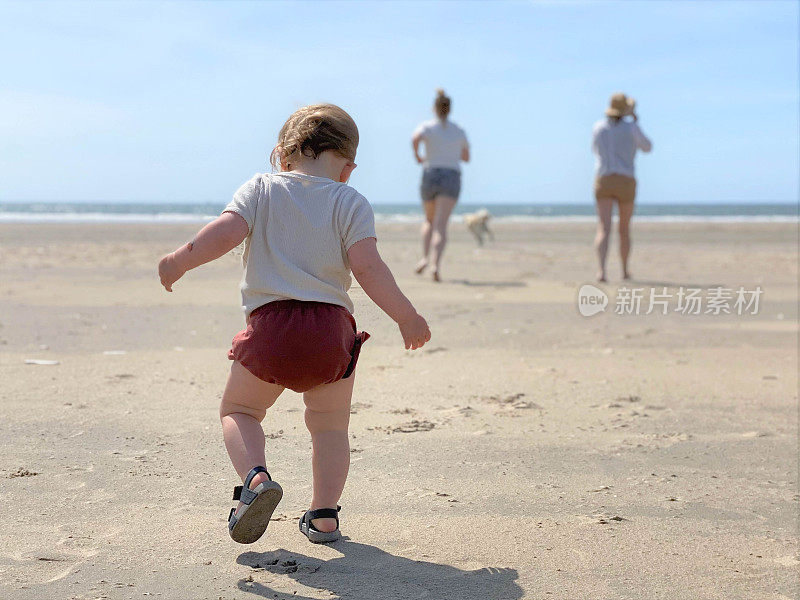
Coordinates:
(151, 212)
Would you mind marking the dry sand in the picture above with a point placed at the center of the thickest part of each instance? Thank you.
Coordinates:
(526, 452)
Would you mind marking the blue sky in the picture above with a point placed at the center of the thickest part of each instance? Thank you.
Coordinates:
(113, 101)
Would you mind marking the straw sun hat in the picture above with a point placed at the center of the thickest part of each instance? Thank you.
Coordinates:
(620, 105)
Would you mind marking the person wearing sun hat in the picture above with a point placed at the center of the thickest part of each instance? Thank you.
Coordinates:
(615, 141)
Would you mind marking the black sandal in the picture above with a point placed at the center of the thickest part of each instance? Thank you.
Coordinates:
(320, 537)
(250, 522)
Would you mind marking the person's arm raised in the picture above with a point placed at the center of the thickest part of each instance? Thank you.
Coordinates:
(642, 141)
(378, 282)
(219, 237)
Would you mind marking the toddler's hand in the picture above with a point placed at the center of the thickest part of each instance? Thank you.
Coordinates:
(169, 271)
(415, 332)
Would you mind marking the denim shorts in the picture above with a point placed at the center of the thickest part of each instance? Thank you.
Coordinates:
(437, 181)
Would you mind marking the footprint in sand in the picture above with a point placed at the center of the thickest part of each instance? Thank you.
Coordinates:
(119, 377)
(412, 426)
(285, 517)
(443, 495)
(602, 488)
(629, 399)
(274, 564)
(504, 399)
(356, 406)
(604, 519)
(22, 473)
(45, 566)
(512, 401)
(660, 440)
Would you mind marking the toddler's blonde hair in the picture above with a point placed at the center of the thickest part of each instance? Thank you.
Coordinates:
(312, 130)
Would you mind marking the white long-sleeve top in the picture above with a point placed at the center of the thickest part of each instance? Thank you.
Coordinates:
(615, 144)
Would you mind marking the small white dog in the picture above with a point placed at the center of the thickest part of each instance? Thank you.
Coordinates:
(478, 223)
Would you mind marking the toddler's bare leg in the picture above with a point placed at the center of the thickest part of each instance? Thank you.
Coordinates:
(244, 405)
(327, 419)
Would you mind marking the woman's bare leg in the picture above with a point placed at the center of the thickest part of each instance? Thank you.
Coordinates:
(327, 419)
(444, 206)
(244, 404)
(625, 214)
(605, 213)
(427, 230)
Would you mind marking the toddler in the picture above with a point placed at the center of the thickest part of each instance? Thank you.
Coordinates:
(304, 230)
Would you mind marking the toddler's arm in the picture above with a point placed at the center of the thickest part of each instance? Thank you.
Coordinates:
(377, 281)
(219, 237)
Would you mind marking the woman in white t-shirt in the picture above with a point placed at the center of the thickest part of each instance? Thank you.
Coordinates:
(445, 147)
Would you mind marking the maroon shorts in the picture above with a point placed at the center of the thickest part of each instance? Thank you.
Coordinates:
(299, 345)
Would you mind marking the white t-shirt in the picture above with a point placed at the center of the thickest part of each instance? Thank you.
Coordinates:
(301, 227)
(615, 145)
(444, 141)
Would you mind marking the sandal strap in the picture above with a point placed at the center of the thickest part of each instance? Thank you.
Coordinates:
(243, 493)
(323, 513)
(253, 472)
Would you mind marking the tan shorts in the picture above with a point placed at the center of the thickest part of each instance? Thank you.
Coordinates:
(619, 187)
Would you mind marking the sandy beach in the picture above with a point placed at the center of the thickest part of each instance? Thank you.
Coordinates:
(525, 452)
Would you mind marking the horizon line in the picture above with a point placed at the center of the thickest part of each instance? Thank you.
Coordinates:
(379, 203)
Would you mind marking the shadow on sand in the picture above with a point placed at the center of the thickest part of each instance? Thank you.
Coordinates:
(668, 284)
(367, 572)
(497, 284)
